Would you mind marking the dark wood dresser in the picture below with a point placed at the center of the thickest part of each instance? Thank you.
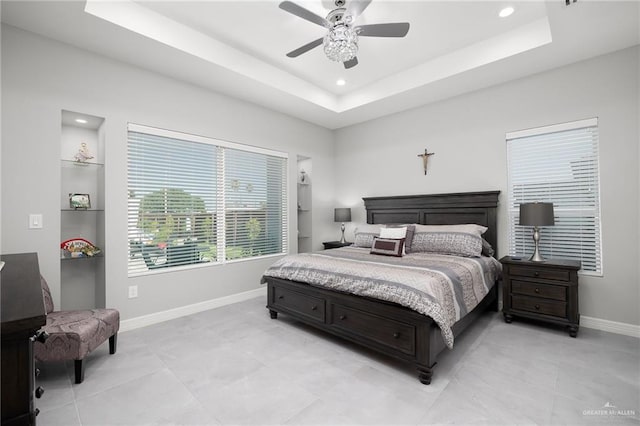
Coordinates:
(546, 291)
(23, 314)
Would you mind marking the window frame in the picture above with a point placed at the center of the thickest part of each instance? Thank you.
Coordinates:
(512, 209)
(220, 210)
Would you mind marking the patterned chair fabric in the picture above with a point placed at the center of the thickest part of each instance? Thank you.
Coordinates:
(74, 334)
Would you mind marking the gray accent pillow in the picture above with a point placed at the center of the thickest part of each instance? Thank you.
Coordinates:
(460, 240)
(364, 235)
(454, 243)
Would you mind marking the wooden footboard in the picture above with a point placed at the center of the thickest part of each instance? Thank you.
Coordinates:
(385, 327)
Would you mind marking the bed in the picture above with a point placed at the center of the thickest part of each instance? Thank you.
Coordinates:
(383, 325)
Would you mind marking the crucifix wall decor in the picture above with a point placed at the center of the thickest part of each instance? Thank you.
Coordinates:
(425, 159)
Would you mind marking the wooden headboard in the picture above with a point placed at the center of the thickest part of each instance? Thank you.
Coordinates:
(438, 209)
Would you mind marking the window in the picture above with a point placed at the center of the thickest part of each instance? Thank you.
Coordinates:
(195, 200)
(557, 164)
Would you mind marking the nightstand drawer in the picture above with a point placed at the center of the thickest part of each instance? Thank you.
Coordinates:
(557, 292)
(544, 273)
(539, 306)
(309, 306)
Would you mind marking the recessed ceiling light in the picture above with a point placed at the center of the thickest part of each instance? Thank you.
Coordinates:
(81, 121)
(341, 82)
(506, 12)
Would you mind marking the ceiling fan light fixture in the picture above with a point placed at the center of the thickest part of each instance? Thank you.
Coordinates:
(341, 43)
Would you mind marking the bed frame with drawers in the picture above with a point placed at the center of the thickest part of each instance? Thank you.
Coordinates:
(387, 327)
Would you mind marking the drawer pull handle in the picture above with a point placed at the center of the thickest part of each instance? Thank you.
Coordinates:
(314, 308)
(536, 274)
(280, 297)
(396, 334)
(343, 317)
(537, 290)
(537, 307)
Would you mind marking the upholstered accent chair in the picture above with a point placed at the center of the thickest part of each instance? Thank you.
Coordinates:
(74, 334)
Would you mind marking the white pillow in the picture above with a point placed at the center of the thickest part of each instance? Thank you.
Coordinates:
(470, 228)
(393, 232)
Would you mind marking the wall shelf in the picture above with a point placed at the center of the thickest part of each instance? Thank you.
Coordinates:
(97, 256)
(82, 279)
(304, 203)
(78, 164)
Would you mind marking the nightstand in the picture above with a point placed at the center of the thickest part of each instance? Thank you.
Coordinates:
(545, 291)
(335, 244)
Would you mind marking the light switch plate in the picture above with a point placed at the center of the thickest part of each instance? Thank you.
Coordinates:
(35, 221)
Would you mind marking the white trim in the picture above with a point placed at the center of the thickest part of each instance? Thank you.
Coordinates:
(553, 128)
(158, 317)
(610, 326)
(172, 134)
(155, 318)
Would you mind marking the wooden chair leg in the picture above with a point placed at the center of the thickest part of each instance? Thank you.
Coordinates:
(113, 342)
(79, 370)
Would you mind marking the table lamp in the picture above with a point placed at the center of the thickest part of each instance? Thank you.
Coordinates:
(342, 215)
(536, 214)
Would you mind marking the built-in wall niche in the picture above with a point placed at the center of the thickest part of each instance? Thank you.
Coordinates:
(305, 236)
(82, 211)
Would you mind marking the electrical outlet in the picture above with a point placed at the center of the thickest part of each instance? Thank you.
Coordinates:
(133, 291)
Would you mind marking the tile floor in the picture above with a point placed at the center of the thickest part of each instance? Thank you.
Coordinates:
(234, 365)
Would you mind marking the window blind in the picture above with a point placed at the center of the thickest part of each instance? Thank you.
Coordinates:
(255, 203)
(557, 164)
(195, 200)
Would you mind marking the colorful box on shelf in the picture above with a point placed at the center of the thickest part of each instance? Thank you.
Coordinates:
(78, 247)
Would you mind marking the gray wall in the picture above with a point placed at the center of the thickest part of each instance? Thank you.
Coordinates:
(467, 134)
(41, 77)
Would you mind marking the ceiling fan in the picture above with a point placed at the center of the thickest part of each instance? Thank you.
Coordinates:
(341, 41)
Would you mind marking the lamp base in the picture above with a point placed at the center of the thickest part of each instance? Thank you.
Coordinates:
(536, 256)
(342, 240)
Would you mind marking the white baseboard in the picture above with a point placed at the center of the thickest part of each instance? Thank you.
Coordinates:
(145, 320)
(610, 326)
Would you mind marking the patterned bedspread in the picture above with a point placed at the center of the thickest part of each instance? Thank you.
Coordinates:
(442, 287)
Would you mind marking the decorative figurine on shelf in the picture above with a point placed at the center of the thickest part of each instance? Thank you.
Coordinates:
(83, 155)
(303, 176)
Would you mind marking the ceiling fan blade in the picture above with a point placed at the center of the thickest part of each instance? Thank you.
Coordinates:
(350, 63)
(303, 13)
(307, 47)
(397, 29)
(356, 7)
